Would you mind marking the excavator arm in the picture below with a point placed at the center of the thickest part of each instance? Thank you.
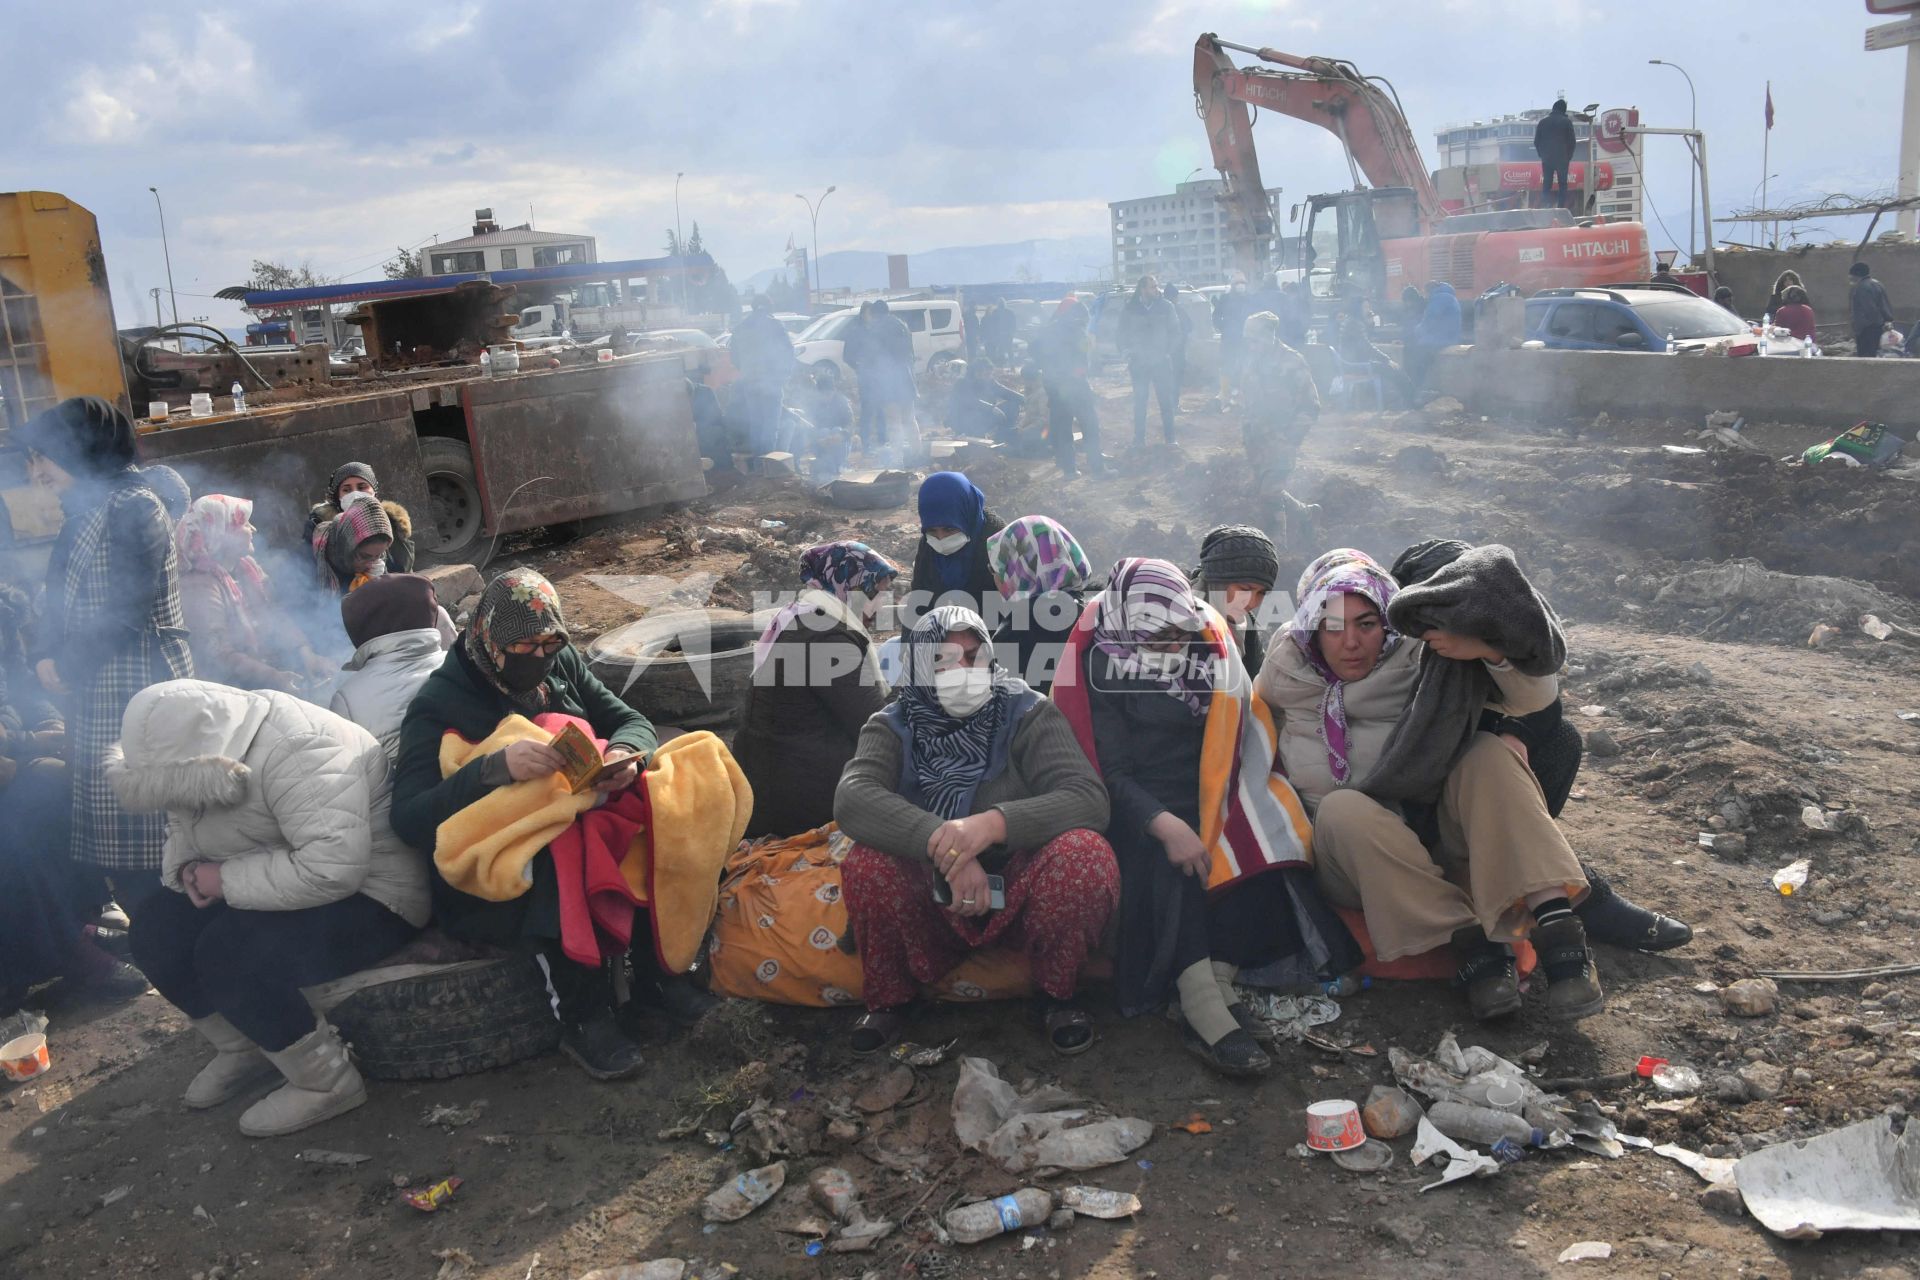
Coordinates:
(1323, 91)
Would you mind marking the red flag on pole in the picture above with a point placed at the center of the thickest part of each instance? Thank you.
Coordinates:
(1769, 104)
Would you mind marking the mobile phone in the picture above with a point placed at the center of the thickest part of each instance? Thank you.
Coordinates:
(996, 892)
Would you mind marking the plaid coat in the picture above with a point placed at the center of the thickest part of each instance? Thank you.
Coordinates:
(117, 603)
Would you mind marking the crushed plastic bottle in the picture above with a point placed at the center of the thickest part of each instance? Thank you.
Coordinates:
(1482, 1125)
(1676, 1082)
(1792, 878)
(984, 1219)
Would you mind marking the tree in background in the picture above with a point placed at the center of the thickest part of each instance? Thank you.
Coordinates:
(785, 295)
(278, 275)
(713, 295)
(405, 264)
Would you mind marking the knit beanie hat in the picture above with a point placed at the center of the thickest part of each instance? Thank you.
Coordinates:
(396, 602)
(1238, 553)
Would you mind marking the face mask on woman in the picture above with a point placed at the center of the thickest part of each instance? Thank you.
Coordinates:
(948, 545)
(523, 672)
(963, 690)
(350, 500)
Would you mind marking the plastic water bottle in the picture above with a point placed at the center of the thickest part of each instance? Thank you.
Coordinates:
(1669, 342)
(972, 1223)
(239, 398)
(1347, 984)
(1806, 349)
(486, 364)
(1483, 1125)
(1766, 334)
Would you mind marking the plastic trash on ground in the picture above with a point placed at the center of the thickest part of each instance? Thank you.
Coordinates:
(745, 1193)
(1032, 1128)
(1461, 1163)
(1792, 878)
(1097, 1202)
(1587, 1251)
(1865, 1177)
(1291, 1015)
(1476, 1076)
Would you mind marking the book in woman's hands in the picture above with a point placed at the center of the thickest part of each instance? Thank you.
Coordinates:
(581, 762)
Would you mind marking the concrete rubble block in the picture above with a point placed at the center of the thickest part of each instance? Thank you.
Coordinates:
(1763, 1080)
(453, 583)
(1751, 997)
(1724, 1199)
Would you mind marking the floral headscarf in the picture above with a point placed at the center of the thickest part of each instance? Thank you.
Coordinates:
(950, 757)
(1142, 598)
(518, 605)
(1337, 573)
(335, 542)
(212, 538)
(1035, 555)
(837, 568)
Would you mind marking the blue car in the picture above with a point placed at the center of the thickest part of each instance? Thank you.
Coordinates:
(1632, 318)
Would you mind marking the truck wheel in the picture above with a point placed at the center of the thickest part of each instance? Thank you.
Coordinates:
(688, 668)
(467, 1017)
(453, 493)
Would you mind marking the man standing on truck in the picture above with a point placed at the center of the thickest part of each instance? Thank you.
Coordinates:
(763, 353)
(1553, 142)
(1872, 312)
(1150, 334)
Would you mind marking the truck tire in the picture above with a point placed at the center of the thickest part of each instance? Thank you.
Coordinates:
(467, 1017)
(457, 535)
(688, 668)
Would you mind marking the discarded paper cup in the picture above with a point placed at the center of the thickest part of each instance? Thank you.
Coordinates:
(25, 1057)
(1334, 1125)
(1505, 1095)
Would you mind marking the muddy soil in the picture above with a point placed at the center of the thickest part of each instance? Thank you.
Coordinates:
(1721, 720)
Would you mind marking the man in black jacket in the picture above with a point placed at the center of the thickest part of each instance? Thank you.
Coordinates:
(1553, 142)
(1150, 337)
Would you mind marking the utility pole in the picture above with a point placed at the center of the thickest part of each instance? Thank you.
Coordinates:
(167, 254)
(1693, 178)
(679, 246)
(1697, 143)
(1895, 35)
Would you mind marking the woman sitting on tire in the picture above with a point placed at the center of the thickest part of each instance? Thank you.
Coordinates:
(395, 626)
(357, 478)
(816, 682)
(970, 774)
(515, 659)
(238, 635)
(280, 872)
(351, 550)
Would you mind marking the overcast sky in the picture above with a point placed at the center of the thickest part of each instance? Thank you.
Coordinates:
(329, 134)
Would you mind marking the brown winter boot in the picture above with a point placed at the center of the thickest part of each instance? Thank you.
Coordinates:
(1573, 984)
(1486, 972)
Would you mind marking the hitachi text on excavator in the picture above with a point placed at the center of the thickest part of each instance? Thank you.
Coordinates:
(1373, 241)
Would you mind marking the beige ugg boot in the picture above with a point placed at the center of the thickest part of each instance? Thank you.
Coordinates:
(322, 1082)
(237, 1065)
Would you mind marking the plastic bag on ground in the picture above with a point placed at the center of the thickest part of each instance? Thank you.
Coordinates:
(1865, 1177)
(1028, 1129)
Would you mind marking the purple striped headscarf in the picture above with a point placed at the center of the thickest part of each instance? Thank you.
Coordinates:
(1142, 598)
(837, 568)
(1340, 572)
(1035, 555)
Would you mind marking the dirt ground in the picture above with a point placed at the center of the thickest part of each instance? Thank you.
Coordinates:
(1722, 718)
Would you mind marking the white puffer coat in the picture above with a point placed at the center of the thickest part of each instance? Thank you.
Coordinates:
(290, 799)
(381, 678)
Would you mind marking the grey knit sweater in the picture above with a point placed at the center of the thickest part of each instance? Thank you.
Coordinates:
(1047, 789)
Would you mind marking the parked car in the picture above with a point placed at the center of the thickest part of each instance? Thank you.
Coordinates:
(1634, 319)
(934, 324)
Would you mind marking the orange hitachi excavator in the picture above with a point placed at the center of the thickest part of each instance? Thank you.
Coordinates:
(1373, 241)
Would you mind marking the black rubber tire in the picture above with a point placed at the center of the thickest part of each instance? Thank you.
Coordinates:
(454, 527)
(658, 666)
(473, 1017)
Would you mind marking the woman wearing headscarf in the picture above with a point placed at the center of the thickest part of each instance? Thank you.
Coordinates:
(950, 565)
(515, 658)
(1157, 660)
(351, 549)
(971, 774)
(237, 634)
(1042, 575)
(113, 623)
(1340, 680)
(816, 681)
(358, 478)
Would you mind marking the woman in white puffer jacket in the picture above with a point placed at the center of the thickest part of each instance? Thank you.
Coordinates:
(280, 871)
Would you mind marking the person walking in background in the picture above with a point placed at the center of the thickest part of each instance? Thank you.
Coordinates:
(1230, 312)
(1439, 328)
(1872, 312)
(763, 353)
(1149, 336)
(1553, 142)
(1064, 350)
(996, 333)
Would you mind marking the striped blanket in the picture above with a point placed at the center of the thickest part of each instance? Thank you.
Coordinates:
(1251, 818)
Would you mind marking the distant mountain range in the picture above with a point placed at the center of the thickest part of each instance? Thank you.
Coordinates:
(1069, 258)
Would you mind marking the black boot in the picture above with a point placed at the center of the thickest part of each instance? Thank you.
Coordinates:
(1487, 974)
(601, 1048)
(1612, 919)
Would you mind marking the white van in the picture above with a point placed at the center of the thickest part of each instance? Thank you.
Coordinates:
(934, 324)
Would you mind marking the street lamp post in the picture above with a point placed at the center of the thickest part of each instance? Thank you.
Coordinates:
(679, 245)
(1693, 123)
(166, 253)
(158, 318)
(813, 215)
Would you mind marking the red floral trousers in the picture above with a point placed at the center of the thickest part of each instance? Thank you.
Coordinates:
(1059, 898)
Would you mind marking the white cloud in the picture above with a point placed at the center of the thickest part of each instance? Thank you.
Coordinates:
(168, 84)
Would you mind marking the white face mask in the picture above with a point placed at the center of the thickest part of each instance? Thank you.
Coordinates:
(357, 496)
(948, 545)
(963, 690)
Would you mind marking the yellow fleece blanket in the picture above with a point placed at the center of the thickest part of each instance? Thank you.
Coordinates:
(699, 801)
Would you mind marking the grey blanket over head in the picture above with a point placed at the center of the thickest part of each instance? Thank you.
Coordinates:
(1482, 594)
